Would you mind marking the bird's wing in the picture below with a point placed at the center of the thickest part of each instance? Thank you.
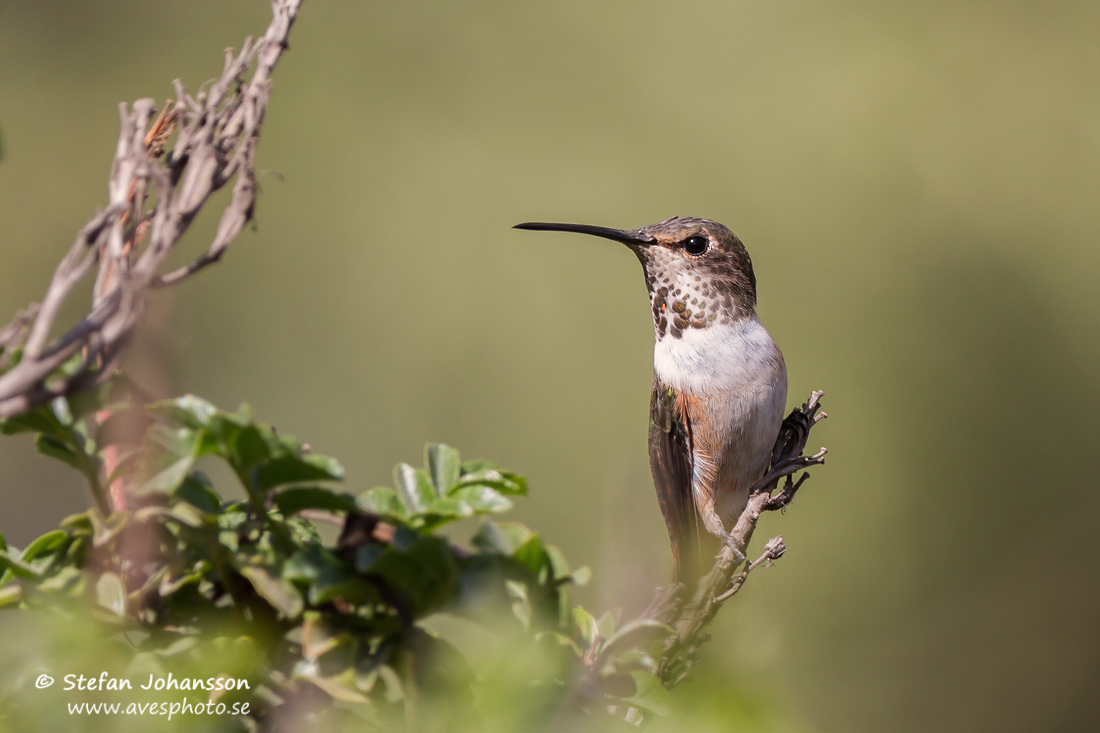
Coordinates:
(670, 459)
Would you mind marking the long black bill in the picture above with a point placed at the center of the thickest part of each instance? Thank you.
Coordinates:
(617, 235)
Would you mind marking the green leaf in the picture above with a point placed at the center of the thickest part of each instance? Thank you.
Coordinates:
(233, 515)
(292, 501)
(586, 626)
(168, 443)
(289, 469)
(303, 530)
(53, 447)
(521, 604)
(419, 570)
(502, 537)
(20, 569)
(61, 411)
(169, 585)
(167, 480)
(443, 464)
(250, 446)
(466, 502)
(47, 544)
(605, 624)
(335, 581)
(482, 499)
(190, 411)
(637, 633)
(75, 522)
(76, 551)
(414, 487)
(217, 431)
(68, 580)
(275, 590)
(113, 395)
(382, 500)
(560, 640)
(618, 685)
(558, 564)
(197, 491)
(244, 414)
(107, 529)
(40, 420)
(533, 555)
(649, 693)
(580, 576)
(395, 691)
(186, 513)
(111, 593)
(168, 456)
(307, 565)
(502, 481)
(447, 508)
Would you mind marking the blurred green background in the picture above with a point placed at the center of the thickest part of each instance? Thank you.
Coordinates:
(918, 185)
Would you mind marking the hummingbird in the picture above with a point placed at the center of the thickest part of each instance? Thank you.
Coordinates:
(719, 379)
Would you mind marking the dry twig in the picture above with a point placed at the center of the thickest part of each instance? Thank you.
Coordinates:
(128, 243)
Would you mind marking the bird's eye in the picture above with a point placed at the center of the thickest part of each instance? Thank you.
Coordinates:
(696, 245)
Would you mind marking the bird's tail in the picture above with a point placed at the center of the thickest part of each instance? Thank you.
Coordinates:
(693, 553)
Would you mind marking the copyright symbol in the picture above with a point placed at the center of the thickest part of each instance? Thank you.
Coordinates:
(43, 681)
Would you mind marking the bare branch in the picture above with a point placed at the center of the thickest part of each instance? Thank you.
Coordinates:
(128, 242)
(772, 551)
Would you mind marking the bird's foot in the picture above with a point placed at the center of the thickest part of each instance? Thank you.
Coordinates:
(735, 547)
(795, 429)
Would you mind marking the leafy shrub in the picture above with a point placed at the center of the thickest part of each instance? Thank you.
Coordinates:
(335, 607)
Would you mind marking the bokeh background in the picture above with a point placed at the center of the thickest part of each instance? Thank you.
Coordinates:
(918, 184)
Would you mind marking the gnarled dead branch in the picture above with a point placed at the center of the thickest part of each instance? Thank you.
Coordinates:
(153, 197)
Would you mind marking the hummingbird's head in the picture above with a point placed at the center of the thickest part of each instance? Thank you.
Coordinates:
(697, 272)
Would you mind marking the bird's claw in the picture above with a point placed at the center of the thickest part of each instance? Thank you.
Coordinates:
(729, 541)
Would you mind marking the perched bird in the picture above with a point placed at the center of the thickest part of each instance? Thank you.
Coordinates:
(719, 382)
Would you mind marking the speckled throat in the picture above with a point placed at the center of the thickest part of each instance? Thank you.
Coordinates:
(689, 290)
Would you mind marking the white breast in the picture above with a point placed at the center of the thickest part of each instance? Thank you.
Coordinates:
(740, 371)
(741, 357)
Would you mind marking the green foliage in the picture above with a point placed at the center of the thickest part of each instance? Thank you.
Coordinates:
(377, 619)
